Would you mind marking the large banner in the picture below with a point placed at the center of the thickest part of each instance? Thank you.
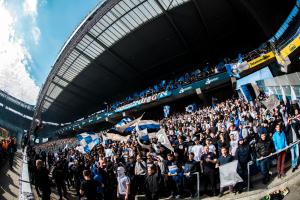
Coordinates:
(261, 59)
(292, 46)
(215, 79)
(145, 100)
(208, 82)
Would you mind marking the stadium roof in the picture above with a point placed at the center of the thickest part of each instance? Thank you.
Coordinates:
(16, 104)
(125, 45)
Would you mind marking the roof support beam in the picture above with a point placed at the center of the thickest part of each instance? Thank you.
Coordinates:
(58, 102)
(115, 55)
(201, 17)
(79, 95)
(101, 65)
(84, 90)
(171, 21)
(60, 105)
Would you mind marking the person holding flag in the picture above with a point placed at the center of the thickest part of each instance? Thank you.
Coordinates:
(222, 160)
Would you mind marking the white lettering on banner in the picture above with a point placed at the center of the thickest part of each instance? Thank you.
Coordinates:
(182, 90)
(144, 100)
(208, 81)
(153, 98)
(109, 114)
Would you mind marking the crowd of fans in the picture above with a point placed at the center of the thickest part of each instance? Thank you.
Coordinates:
(191, 77)
(203, 140)
(8, 147)
(164, 85)
(187, 78)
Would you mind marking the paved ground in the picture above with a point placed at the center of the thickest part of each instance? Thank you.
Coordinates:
(9, 179)
(294, 191)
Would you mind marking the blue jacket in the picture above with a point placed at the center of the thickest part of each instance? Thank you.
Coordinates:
(279, 140)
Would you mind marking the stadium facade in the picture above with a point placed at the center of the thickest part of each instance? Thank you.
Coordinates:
(16, 117)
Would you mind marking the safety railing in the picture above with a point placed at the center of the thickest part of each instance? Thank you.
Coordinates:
(198, 184)
(269, 156)
(25, 186)
(248, 169)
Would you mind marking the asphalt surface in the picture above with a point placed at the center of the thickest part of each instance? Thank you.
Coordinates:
(9, 178)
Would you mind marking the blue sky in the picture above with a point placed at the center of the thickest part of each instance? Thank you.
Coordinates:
(32, 34)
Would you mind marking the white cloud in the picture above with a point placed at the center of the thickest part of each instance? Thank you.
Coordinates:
(36, 33)
(30, 7)
(14, 57)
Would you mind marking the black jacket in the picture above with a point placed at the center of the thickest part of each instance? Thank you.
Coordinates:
(153, 184)
(264, 148)
(243, 154)
(59, 174)
(42, 181)
(289, 131)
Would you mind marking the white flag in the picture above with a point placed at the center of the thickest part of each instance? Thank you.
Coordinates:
(283, 95)
(271, 103)
(104, 138)
(163, 139)
(65, 147)
(108, 152)
(293, 94)
(117, 137)
(80, 149)
(228, 174)
(270, 92)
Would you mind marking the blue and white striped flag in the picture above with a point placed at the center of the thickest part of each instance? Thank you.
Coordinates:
(142, 135)
(88, 141)
(123, 122)
(150, 125)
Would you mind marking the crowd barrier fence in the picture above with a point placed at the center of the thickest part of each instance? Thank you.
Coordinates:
(269, 156)
(25, 186)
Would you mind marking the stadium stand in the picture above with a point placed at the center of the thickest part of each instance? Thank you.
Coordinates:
(149, 126)
(244, 129)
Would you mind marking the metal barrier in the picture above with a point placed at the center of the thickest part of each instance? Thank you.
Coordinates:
(248, 167)
(198, 184)
(269, 156)
(25, 186)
